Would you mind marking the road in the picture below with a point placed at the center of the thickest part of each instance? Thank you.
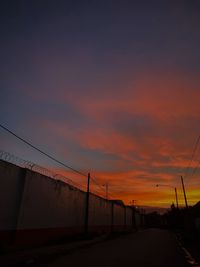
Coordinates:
(147, 248)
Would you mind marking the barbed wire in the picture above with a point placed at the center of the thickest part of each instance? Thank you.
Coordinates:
(40, 169)
(16, 160)
(8, 157)
(40, 151)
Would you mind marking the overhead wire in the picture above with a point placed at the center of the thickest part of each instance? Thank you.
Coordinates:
(42, 152)
(99, 185)
(192, 157)
(50, 156)
(195, 169)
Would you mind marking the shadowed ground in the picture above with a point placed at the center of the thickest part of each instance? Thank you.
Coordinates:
(150, 248)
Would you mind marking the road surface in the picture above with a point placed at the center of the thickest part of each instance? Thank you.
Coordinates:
(147, 248)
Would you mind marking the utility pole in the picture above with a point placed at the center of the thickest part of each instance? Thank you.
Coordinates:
(132, 202)
(186, 204)
(107, 191)
(176, 197)
(87, 205)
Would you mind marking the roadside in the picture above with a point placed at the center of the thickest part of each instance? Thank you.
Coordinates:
(51, 252)
(147, 248)
(26, 257)
(190, 245)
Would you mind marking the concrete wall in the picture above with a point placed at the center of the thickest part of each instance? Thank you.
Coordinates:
(118, 217)
(48, 203)
(36, 208)
(137, 219)
(129, 217)
(11, 189)
(99, 212)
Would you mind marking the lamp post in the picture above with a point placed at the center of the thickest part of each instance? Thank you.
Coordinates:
(174, 191)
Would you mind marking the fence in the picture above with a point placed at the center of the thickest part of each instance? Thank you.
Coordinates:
(8, 157)
(37, 208)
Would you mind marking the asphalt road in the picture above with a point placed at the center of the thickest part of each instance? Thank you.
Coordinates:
(148, 248)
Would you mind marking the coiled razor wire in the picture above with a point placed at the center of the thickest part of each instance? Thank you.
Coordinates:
(8, 157)
(15, 160)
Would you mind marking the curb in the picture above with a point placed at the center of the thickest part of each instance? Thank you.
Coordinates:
(189, 258)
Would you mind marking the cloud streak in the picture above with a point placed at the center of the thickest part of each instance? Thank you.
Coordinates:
(107, 89)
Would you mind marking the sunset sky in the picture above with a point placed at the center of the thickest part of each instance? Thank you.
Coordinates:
(106, 86)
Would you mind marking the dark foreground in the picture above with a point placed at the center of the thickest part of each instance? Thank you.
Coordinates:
(150, 248)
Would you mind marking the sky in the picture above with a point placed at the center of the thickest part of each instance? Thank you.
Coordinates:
(108, 87)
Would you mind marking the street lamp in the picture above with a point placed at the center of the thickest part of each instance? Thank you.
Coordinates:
(174, 190)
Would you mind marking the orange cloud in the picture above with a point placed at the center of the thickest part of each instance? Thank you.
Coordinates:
(151, 128)
(158, 94)
(137, 185)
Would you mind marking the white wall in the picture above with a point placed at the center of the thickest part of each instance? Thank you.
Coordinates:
(118, 215)
(137, 218)
(11, 190)
(99, 211)
(129, 216)
(31, 201)
(50, 204)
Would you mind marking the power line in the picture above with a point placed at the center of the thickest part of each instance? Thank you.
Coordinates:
(67, 179)
(100, 186)
(51, 157)
(195, 169)
(42, 152)
(192, 158)
(96, 192)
